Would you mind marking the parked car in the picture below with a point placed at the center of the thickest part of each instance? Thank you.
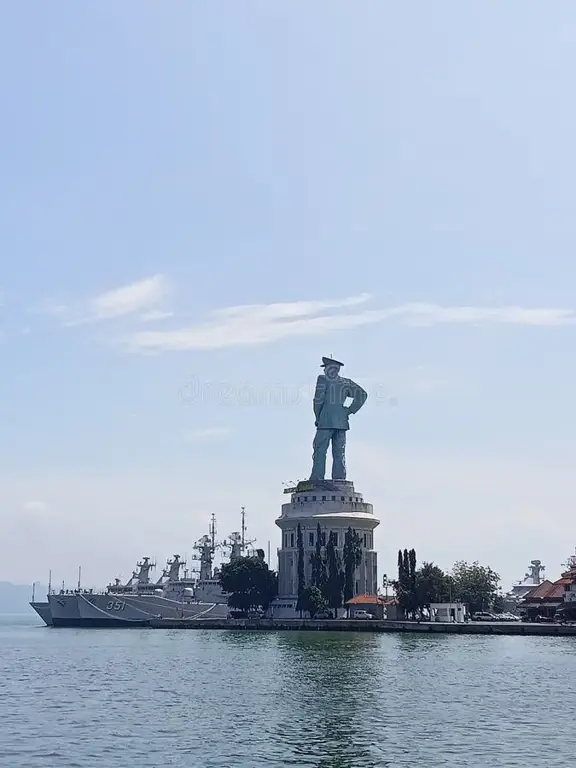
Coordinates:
(362, 615)
(484, 616)
(322, 615)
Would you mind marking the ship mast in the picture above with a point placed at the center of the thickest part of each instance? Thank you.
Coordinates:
(206, 547)
(237, 541)
(212, 531)
(244, 542)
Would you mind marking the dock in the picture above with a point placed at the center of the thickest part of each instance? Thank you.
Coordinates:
(351, 625)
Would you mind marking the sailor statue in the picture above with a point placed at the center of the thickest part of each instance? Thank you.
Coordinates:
(331, 412)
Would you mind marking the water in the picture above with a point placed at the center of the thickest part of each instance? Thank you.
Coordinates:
(207, 699)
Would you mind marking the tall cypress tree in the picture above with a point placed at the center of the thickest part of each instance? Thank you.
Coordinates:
(400, 566)
(406, 591)
(412, 581)
(335, 580)
(300, 545)
(352, 556)
(406, 568)
(403, 585)
(317, 560)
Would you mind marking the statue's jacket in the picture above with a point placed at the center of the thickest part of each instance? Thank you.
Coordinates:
(329, 399)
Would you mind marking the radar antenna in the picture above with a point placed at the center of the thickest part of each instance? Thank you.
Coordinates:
(237, 542)
(206, 547)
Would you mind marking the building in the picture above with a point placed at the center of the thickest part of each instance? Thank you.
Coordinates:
(551, 598)
(335, 506)
(373, 604)
(567, 610)
(450, 613)
(543, 600)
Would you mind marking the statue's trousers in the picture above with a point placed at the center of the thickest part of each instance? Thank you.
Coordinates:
(320, 447)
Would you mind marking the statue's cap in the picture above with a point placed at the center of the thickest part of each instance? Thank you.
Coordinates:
(329, 361)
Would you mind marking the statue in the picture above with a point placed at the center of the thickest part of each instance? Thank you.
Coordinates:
(332, 414)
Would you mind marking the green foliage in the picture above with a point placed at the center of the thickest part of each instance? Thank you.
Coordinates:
(312, 601)
(335, 580)
(432, 586)
(352, 557)
(249, 582)
(318, 562)
(475, 585)
(406, 584)
(300, 545)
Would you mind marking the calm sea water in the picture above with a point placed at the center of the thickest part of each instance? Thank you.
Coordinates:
(206, 699)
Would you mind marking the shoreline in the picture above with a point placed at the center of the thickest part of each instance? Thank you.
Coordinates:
(351, 625)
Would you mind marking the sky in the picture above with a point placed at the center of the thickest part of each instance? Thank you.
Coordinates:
(200, 200)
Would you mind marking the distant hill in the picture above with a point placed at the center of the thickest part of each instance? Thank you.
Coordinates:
(14, 598)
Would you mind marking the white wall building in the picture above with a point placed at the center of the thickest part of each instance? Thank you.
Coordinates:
(450, 613)
(336, 506)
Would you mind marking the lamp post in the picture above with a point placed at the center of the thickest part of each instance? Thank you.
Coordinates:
(385, 584)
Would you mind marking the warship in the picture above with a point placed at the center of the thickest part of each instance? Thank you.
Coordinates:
(175, 594)
(532, 578)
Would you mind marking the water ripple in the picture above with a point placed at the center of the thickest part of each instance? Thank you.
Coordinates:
(112, 699)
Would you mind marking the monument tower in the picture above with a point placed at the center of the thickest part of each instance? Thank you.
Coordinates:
(333, 503)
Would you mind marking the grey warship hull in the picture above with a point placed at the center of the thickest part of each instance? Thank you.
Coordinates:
(43, 610)
(99, 611)
(139, 610)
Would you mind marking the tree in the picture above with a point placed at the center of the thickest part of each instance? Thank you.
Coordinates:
(300, 546)
(412, 576)
(432, 586)
(475, 585)
(301, 582)
(352, 557)
(318, 562)
(406, 584)
(335, 580)
(312, 601)
(249, 582)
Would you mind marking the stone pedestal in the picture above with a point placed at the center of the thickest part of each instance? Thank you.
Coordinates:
(336, 506)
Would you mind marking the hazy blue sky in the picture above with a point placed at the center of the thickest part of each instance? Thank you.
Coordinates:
(199, 200)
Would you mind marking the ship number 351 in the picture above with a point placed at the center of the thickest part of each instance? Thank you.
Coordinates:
(115, 605)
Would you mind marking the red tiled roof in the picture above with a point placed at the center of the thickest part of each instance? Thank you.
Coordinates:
(365, 600)
(546, 591)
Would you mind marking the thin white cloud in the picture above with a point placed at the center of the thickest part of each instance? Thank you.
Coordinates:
(155, 314)
(207, 433)
(129, 298)
(265, 323)
(432, 314)
(34, 506)
(143, 296)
